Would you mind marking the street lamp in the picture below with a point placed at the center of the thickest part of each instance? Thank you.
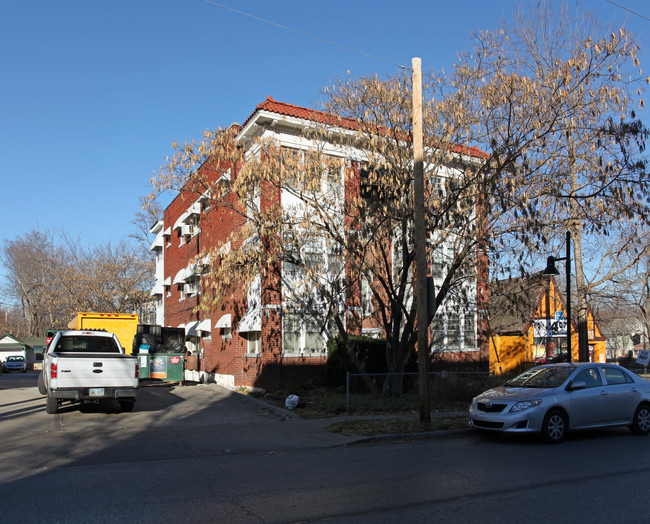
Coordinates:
(552, 270)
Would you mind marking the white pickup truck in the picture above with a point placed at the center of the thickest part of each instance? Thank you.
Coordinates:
(88, 366)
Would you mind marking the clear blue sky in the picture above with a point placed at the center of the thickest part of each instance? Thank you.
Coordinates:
(93, 93)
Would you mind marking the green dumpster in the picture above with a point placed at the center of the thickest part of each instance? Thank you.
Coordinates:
(143, 360)
(166, 366)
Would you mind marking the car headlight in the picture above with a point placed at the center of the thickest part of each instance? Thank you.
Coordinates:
(525, 404)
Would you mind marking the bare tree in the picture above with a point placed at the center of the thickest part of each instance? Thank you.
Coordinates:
(52, 277)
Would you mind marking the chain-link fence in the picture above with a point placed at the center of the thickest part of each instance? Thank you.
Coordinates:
(399, 392)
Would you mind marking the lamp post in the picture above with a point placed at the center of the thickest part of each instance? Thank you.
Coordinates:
(552, 270)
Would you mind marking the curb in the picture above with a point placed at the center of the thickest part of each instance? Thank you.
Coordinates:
(400, 436)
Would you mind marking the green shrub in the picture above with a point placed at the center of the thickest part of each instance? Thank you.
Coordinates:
(370, 351)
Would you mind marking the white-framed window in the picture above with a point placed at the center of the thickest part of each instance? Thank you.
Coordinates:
(302, 335)
(254, 343)
(469, 330)
(453, 331)
(366, 298)
(290, 334)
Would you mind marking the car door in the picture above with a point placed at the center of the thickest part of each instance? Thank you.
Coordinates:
(587, 405)
(622, 395)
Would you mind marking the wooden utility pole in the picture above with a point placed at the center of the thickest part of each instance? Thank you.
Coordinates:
(420, 245)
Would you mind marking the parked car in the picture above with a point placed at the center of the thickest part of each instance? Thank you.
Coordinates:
(15, 363)
(557, 398)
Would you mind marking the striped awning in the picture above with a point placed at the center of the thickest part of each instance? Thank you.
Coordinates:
(251, 321)
(224, 322)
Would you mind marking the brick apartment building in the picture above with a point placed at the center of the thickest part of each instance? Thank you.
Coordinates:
(247, 342)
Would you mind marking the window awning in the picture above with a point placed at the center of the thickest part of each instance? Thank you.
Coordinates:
(191, 329)
(167, 281)
(167, 232)
(157, 289)
(193, 269)
(180, 221)
(205, 326)
(224, 322)
(157, 244)
(251, 321)
(180, 277)
(194, 209)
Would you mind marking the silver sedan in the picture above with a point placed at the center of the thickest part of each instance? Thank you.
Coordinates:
(557, 398)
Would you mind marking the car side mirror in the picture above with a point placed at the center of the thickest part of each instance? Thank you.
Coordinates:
(577, 384)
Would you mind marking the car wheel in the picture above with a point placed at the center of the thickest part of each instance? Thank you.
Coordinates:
(41, 384)
(554, 427)
(641, 422)
(51, 405)
(127, 405)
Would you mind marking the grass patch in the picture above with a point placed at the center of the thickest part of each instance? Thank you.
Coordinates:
(327, 403)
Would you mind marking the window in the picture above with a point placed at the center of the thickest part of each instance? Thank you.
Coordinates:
(313, 337)
(616, 376)
(302, 336)
(439, 261)
(438, 331)
(469, 330)
(86, 344)
(255, 343)
(590, 377)
(453, 330)
(366, 298)
(290, 334)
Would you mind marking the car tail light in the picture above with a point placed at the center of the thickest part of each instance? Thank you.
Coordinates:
(54, 370)
(137, 371)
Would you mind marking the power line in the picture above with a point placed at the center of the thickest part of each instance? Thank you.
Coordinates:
(628, 9)
(328, 42)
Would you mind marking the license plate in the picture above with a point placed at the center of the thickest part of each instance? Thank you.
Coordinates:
(96, 392)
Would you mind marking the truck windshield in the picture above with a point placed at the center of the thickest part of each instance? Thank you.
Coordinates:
(86, 344)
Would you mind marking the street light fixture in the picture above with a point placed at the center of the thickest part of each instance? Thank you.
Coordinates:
(552, 270)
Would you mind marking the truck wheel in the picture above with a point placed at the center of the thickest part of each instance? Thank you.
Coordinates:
(51, 405)
(127, 405)
(41, 384)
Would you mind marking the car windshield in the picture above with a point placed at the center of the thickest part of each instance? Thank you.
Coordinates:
(15, 359)
(550, 377)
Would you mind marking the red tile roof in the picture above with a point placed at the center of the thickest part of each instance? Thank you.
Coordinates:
(282, 108)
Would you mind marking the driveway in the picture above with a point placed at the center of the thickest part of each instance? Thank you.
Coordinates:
(168, 421)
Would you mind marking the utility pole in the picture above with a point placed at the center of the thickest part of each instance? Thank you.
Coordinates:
(420, 240)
